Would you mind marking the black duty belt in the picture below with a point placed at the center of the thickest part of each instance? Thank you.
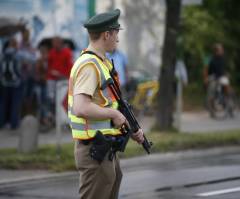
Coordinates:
(84, 142)
(87, 142)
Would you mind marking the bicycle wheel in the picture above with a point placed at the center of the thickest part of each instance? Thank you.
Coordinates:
(232, 105)
(217, 106)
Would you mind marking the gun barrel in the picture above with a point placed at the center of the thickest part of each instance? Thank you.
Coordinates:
(146, 145)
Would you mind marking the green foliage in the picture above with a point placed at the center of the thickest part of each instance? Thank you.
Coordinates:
(202, 26)
(194, 97)
(199, 31)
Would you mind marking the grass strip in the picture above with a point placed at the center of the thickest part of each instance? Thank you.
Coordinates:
(46, 157)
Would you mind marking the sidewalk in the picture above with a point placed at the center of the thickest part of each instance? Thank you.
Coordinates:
(201, 122)
(198, 122)
(191, 122)
(10, 139)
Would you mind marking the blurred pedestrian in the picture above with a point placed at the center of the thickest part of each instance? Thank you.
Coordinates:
(217, 65)
(11, 89)
(59, 67)
(121, 66)
(41, 87)
(217, 75)
(181, 72)
(28, 60)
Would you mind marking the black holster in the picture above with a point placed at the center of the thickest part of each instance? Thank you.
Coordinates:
(105, 144)
(100, 147)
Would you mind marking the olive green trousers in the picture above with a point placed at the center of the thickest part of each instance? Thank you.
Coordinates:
(97, 181)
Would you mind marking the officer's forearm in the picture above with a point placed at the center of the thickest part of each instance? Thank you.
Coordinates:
(84, 107)
(93, 111)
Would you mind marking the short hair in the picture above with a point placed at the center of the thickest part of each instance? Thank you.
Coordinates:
(94, 36)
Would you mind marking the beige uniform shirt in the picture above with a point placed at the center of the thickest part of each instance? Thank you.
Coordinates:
(86, 82)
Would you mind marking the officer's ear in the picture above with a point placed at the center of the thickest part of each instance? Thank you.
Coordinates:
(106, 35)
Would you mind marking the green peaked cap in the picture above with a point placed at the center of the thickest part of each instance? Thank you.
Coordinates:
(103, 22)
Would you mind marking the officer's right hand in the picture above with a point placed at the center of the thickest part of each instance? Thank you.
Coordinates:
(118, 119)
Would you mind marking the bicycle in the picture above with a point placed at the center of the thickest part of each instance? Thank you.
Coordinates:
(221, 104)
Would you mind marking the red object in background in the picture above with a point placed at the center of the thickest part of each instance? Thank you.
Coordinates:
(61, 61)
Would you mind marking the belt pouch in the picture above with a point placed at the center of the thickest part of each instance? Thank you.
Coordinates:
(100, 147)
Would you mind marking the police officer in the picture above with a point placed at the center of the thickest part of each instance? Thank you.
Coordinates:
(92, 107)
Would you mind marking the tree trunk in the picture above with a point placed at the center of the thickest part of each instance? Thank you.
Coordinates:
(165, 100)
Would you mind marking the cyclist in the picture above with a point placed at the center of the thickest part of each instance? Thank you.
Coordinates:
(216, 76)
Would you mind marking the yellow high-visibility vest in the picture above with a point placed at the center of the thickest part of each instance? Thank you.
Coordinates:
(83, 128)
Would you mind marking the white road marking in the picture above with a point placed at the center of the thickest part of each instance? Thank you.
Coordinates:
(219, 192)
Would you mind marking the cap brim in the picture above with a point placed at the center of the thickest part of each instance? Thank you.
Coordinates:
(116, 26)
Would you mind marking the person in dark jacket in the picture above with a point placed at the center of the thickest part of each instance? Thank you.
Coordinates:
(11, 86)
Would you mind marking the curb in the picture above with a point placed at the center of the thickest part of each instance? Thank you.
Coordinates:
(173, 156)
(132, 163)
(5, 183)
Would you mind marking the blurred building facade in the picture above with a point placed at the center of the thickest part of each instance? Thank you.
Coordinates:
(47, 18)
(142, 39)
(143, 22)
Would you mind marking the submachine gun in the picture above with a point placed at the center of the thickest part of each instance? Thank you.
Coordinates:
(126, 109)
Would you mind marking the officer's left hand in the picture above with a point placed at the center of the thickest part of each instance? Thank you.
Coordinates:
(138, 136)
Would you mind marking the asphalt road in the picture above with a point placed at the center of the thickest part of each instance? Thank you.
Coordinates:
(211, 176)
(225, 190)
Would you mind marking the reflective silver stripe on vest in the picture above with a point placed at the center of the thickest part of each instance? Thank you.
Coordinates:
(107, 95)
(70, 109)
(91, 126)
